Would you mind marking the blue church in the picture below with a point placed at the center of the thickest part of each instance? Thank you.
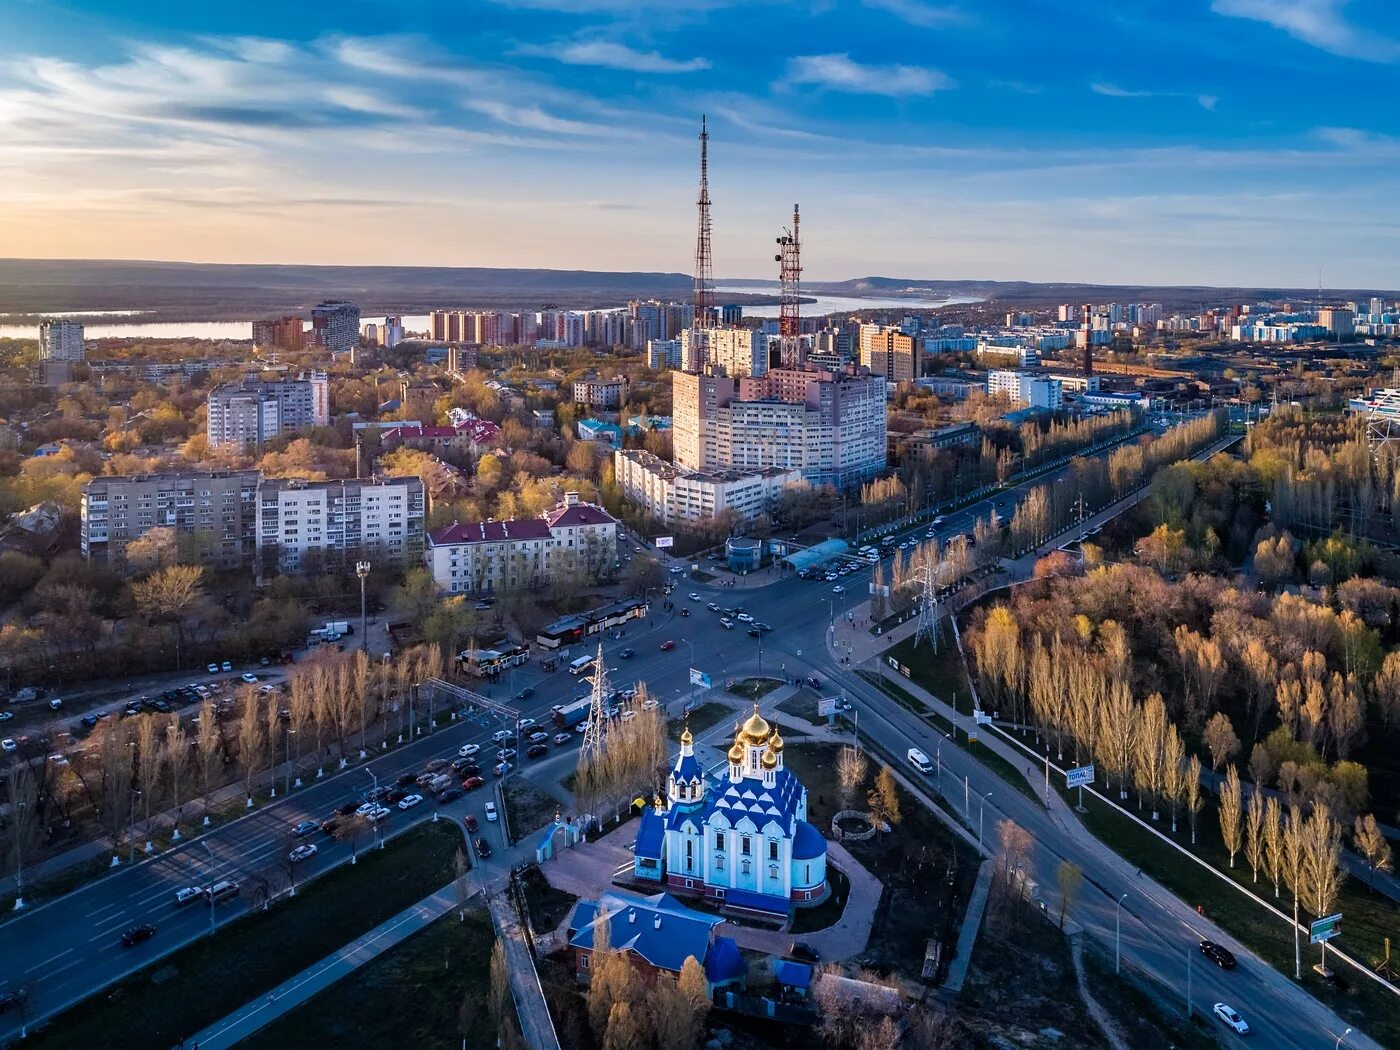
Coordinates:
(741, 837)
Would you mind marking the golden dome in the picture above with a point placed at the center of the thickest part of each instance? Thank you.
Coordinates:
(775, 741)
(756, 729)
(686, 738)
(770, 759)
(736, 753)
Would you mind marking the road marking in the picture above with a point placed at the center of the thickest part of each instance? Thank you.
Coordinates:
(60, 955)
(98, 911)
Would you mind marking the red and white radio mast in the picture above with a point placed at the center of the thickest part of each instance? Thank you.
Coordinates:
(789, 260)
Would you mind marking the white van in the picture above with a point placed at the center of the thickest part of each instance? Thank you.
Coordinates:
(583, 663)
(919, 760)
(222, 891)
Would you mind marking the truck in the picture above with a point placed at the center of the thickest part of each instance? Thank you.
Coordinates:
(571, 715)
(339, 627)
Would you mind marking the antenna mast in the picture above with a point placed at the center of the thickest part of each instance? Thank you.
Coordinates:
(789, 260)
(703, 308)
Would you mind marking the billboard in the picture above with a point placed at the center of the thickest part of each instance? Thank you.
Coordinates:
(700, 678)
(1079, 777)
(1325, 929)
(826, 707)
(663, 541)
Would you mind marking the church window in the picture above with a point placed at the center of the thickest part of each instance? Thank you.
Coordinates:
(773, 871)
(719, 864)
(772, 849)
(719, 840)
(744, 847)
(808, 878)
(747, 867)
(689, 855)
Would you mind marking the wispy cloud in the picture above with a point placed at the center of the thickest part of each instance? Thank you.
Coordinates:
(920, 13)
(1321, 23)
(838, 72)
(610, 55)
(1114, 91)
(533, 118)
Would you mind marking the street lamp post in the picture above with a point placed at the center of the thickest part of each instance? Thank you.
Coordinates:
(378, 830)
(981, 815)
(362, 571)
(131, 829)
(19, 861)
(287, 783)
(1117, 930)
(1340, 1038)
(212, 918)
(938, 755)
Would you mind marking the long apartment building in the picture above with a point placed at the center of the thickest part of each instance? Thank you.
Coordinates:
(481, 557)
(731, 352)
(828, 425)
(248, 413)
(303, 525)
(673, 495)
(212, 514)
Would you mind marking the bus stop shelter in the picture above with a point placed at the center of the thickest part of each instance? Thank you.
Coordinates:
(817, 554)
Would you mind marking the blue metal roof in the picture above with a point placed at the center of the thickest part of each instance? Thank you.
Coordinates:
(650, 835)
(792, 974)
(633, 926)
(687, 768)
(757, 901)
(749, 798)
(808, 843)
(818, 553)
(726, 962)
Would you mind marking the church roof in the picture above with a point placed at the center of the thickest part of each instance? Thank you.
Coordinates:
(726, 962)
(658, 928)
(807, 843)
(650, 836)
(688, 768)
(749, 798)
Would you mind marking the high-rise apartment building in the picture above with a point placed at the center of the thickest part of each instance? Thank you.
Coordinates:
(284, 333)
(731, 352)
(247, 414)
(212, 515)
(889, 352)
(1340, 321)
(830, 425)
(305, 525)
(336, 325)
(60, 340)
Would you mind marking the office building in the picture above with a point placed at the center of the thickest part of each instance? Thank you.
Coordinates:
(307, 525)
(212, 515)
(1030, 389)
(60, 340)
(283, 333)
(889, 352)
(830, 426)
(673, 495)
(601, 393)
(485, 556)
(335, 325)
(731, 315)
(247, 414)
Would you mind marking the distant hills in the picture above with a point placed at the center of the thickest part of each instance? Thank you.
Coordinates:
(179, 291)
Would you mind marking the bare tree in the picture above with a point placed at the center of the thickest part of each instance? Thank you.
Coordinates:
(852, 767)
(1230, 812)
(883, 801)
(461, 883)
(1174, 774)
(22, 795)
(1070, 879)
(1273, 842)
(116, 782)
(176, 759)
(1220, 740)
(209, 740)
(1254, 831)
(149, 765)
(498, 988)
(1195, 802)
(251, 737)
(1371, 843)
(351, 829)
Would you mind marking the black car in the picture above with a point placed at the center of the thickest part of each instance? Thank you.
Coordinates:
(754, 632)
(526, 693)
(446, 795)
(483, 849)
(346, 809)
(162, 707)
(89, 720)
(329, 825)
(626, 654)
(404, 779)
(536, 750)
(814, 681)
(396, 796)
(136, 934)
(1218, 954)
(460, 765)
(804, 952)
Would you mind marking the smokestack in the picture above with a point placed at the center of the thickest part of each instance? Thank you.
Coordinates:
(1088, 339)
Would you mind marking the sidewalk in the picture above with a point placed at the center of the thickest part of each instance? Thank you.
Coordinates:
(535, 1023)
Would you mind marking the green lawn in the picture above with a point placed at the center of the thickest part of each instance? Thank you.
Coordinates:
(548, 906)
(212, 977)
(940, 673)
(527, 807)
(803, 704)
(428, 992)
(704, 717)
(1369, 918)
(926, 870)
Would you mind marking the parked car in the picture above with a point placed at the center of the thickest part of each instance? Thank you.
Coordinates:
(187, 895)
(212, 668)
(726, 623)
(491, 811)
(482, 849)
(1218, 954)
(562, 738)
(536, 750)
(88, 720)
(447, 795)
(134, 935)
(472, 783)
(404, 779)
(9, 745)
(469, 822)
(409, 801)
(804, 952)
(305, 851)
(306, 827)
(1230, 1018)
(250, 678)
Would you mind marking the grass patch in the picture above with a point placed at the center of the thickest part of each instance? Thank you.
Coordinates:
(1369, 919)
(429, 991)
(754, 688)
(940, 673)
(206, 980)
(548, 906)
(828, 912)
(705, 717)
(927, 871)
(527, 807)
(803, 704)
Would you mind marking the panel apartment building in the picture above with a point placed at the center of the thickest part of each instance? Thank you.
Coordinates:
(889, 352)
(672, 495)
(248, 413)
(304, 525)
(212, 513)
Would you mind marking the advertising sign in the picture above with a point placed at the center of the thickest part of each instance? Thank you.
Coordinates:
(1079, 777)
(1325, 929)
(662, 541)
(700, 678)
(826, 707)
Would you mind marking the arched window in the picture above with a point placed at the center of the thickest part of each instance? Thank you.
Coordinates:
(719, 863)
(689, 855)
(747, 867)
(808, 878)
(773, 871)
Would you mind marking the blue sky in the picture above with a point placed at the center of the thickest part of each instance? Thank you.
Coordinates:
(1152, 141)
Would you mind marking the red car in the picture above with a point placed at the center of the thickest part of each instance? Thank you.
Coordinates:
(667, 645)
(472, 783)
(470, 822)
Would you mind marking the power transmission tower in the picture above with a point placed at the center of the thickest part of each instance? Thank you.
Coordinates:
(928, 605)
(595, 732)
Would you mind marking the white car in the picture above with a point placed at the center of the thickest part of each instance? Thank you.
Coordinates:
(726, 623)
(676, 570)
(250, 678)
(187, 894)
(627, 716)
(694, 597)
(529, 723)
(562, 738)
(1230, 1019)
(937, 521)
(409, 801)
(649, 705)
(212, 668)
(467, 750)
(838, 589)
(377, 814)
(9, 744)
(500, 736)
(5, 716)
(58, 760)
(55, 704)
(302, 852)
(490, 811)
(744, 618)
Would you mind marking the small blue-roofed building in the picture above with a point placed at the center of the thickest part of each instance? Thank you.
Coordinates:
(598, 430)
(794, 978)
(740, 838)
(658, 933)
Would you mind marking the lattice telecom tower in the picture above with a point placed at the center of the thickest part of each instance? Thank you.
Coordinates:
(928, 605)
(703, 308)
(595, 732)
(789, 260)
